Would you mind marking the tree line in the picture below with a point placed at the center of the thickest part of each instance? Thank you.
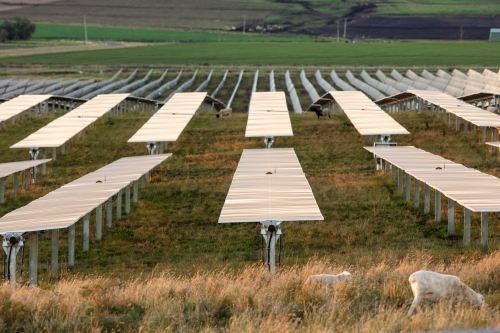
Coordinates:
(16, 29)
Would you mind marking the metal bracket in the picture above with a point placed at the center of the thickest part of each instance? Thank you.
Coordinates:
(268, 141)
(34, 151)
(151, 147)
(271, 232)
(12, 243)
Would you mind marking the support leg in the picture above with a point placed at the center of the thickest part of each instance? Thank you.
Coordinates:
(119, 205)
(2, 190)
(136, 191)
(16, 182)
(451, 216)
(54, 259)
(416, 198)
(71, 246)
(427, 199)
(127, 199)
(98, 222)
(484, 230)
(438, 206)
(408, 187)
(33, 259)
(109, 212)
(400, 181)
(54, 154)
(86, 232)
(466, 227)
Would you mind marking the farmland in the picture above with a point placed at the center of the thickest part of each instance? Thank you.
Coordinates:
(286, 54)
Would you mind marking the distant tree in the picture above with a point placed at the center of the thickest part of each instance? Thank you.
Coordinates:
(17, 29)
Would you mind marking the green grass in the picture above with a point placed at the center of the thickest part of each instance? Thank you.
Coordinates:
(437, 8)
(56, 31)
(286, 54)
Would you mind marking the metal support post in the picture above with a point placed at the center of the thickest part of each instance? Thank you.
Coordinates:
(143, 181)
(393, 172)
(151, 147)
(271, 231)
(12, 243)
(416, 198)
(400, 181)
(34, 151)
(466, 227)
(109, 212)
(451, 216)
(437, 203)
(27, 179)
(408, 187)
(127, 199)
(98, 222)
(44, 156)
(54, 154)
(484, 134)
(86, 232)
(484, 230)
(16, 182)
(119, 205)
(427, 199)
(71, 245)
(136, 191)
(54, 258)
(33, 259)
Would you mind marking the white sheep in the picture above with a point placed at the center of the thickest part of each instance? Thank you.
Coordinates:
(225, 112)
(329, 279)
(436, 287)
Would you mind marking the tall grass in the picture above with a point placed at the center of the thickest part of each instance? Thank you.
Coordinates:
(251, 300)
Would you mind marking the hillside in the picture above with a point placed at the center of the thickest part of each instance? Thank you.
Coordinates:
(451, 19)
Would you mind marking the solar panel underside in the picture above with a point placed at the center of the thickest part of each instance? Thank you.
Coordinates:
(468, 112)
(268, 115)
(19, 104)
(65, 206)
(365, 115)
(470, 188)
(269, 185)
(59, 131)
(171, 119)
(10, 168)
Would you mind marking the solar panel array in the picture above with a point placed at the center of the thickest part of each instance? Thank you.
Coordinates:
(365, 115)
(56, 133)
(7, 169)
(19, 104)
(470, 113)
(269, 184)
(268, 115)
(470, 188)
(65, 206)
(170, 120)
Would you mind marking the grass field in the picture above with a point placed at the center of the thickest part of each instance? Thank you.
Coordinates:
(169, 266)
(283, 54)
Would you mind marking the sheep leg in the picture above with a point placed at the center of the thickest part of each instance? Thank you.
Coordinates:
(414, 304)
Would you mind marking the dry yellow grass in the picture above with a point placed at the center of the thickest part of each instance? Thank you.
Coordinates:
(251, 300)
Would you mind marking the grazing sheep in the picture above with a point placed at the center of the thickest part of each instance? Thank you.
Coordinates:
(322, 112)
(329, 279)
(437, 287)
(492, 109)
(225, 112)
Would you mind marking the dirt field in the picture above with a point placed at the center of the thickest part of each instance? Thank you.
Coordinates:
(446, 28)
(216, 14)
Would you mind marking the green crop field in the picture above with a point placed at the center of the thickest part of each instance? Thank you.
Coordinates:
(283, 54)
(54, 31)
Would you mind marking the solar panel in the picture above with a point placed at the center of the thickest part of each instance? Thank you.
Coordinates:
(269, 185)
(7, 169)
(171, 119)
(268, 115)
(62, 129)
(19, 104)
(365, 115)
(65, 206)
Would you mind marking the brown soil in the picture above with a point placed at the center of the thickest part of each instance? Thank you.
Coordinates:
(445, 28)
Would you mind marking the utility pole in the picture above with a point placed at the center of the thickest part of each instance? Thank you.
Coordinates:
(345, 27)
(338, 38)
(85, 27)
(244, 22)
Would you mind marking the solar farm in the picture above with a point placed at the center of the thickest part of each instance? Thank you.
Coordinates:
(139, 183)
